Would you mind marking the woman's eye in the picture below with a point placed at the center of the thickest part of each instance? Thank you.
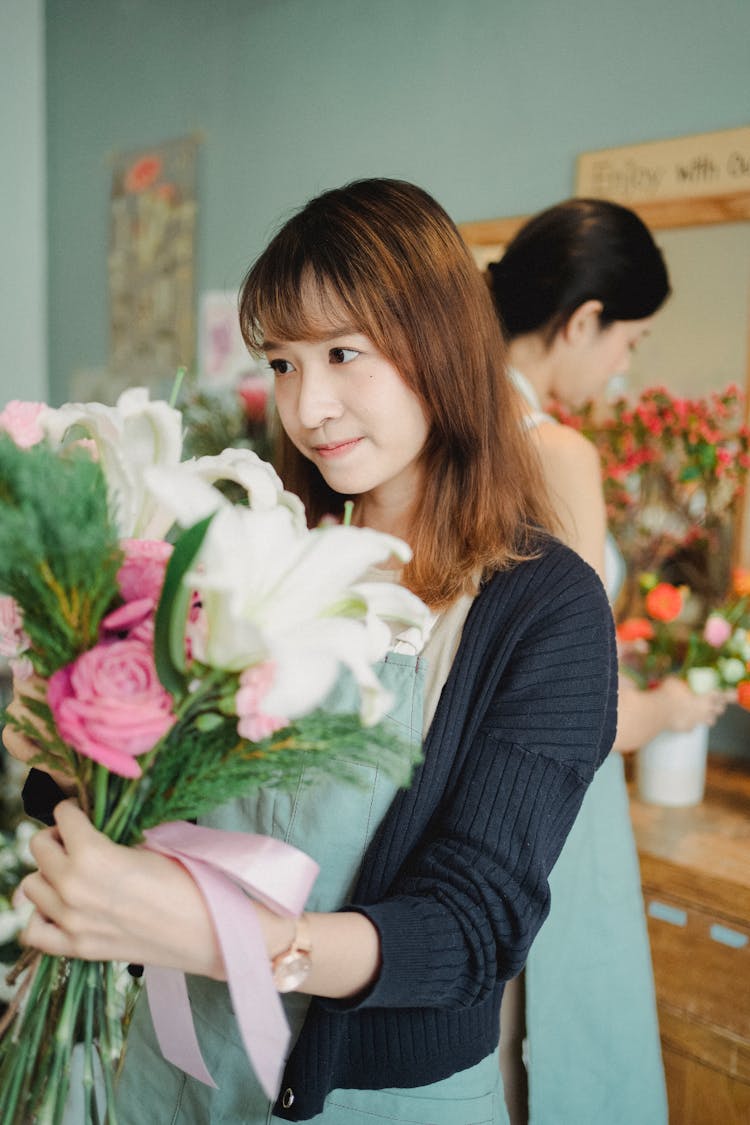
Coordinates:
(342, 355)
(280, 366)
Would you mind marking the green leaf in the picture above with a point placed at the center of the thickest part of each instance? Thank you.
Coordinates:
(174, 606)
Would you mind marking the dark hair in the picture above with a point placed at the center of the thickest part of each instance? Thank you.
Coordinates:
(387, 255)
(577, 251)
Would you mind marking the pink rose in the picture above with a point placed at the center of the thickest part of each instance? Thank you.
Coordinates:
(717, 630)
(142, 573)
(21, 421)
(110, 706)
(13, 640)
(254, 723)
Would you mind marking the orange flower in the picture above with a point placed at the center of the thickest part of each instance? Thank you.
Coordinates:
(743, 694)
(635, 629)
(664, 602)
(741, 581)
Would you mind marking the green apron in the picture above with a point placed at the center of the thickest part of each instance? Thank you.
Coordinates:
(333, 823)
(594, 1056)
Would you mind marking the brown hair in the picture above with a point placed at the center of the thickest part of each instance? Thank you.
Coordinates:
(387, 254)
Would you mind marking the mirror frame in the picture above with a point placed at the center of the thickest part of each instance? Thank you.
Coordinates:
(660, 214)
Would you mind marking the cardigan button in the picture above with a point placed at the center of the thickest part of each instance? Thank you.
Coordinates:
(287, 1098)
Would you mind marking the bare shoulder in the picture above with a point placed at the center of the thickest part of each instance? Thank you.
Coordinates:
(564, 447)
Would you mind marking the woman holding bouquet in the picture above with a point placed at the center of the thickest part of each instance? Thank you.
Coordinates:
(392, 392)
(575, 291)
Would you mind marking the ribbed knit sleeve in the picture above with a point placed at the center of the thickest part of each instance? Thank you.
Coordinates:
(456, 878)
(468, 901)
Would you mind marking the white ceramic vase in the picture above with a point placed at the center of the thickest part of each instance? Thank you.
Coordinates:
(671, 768)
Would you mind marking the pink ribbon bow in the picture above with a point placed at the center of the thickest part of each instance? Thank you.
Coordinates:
(225, 865)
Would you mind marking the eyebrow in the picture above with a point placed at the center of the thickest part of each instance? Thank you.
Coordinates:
(332, 333)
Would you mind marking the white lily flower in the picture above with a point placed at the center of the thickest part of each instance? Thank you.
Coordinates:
(186, 490)
(129, 437)
(388, 602)
(273, 590)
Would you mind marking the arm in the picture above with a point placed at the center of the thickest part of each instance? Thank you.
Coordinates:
(573, 473)
(472, 893)
(96, 900)
(670, 706)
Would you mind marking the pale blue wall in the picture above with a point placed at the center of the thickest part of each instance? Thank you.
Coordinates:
(486, 103)
(23, 229)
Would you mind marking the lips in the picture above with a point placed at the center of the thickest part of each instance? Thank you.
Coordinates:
(336, 448)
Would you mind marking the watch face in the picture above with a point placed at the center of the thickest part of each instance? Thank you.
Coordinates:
(291, 970)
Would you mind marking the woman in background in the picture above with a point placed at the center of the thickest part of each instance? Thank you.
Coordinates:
(575, 291)
(391, 389)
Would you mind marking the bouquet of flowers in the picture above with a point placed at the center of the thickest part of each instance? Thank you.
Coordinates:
(178, 650)
(712, 652)
(674, 470)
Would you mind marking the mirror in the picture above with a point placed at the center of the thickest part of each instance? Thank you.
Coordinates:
(700, 340)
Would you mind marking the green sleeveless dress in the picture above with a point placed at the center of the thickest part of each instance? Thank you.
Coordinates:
(592, 1033)
(333, 823)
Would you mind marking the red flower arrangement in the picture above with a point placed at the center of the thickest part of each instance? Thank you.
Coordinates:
(674, 470)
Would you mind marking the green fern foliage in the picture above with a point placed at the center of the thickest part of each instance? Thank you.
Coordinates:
(59, 552)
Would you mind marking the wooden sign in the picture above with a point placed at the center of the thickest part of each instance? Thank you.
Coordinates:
(705, 164)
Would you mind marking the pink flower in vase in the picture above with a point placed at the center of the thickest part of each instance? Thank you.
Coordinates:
(717, 630)
(110, 706)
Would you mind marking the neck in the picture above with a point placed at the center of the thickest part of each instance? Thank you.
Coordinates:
(529, 355)
(392, 519)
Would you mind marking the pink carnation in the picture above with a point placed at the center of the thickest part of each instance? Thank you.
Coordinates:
(13, 640)
(21, 421)
(142, 573)
(110, 706)
(254, 723)
(717, 630)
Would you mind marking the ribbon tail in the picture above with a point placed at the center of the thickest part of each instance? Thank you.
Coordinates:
(173, 1021)
(256, 1003)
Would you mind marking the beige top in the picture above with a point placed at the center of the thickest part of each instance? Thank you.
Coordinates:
(439, 648)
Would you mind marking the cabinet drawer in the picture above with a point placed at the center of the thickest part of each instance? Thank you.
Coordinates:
(701, 963)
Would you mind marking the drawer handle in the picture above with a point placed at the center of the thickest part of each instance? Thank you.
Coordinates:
(665, 913)
(729, 937)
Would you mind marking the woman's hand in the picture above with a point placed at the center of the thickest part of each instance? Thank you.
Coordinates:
(641, 715)
(683, 709)
(98, 901)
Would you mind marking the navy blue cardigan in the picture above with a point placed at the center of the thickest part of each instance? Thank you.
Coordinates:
(456, 877)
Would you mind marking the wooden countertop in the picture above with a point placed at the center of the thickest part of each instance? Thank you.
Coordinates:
(702, 850)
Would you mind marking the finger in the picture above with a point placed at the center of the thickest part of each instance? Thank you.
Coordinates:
(49, 853)
(74, 827)
(44, 935)
(43, 896)
(17, 745)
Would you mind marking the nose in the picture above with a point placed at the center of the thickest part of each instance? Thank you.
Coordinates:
(318, 400)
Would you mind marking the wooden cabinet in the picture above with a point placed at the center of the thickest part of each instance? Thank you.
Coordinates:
(695, 871)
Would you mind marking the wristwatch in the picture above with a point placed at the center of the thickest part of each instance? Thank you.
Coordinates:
(291, 967)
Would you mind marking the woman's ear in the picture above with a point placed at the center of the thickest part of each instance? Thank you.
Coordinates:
(584, 324)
